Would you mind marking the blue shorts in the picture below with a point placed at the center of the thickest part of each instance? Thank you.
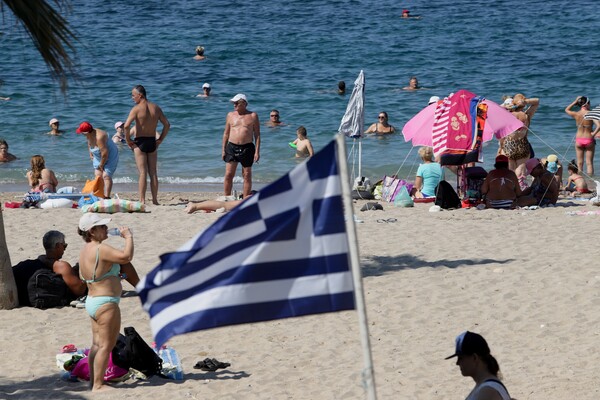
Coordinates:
(92, 304)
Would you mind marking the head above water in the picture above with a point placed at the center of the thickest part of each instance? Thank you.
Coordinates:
(301, 131)
(200, 50)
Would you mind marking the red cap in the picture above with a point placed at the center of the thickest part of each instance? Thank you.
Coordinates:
(405, 11)
(501, 158)
(85, 127)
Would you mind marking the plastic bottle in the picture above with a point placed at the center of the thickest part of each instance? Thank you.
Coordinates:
(116, 232)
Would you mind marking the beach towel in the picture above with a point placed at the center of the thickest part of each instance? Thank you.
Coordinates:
(112, 206)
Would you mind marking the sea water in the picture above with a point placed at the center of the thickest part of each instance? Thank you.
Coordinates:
(289, 56)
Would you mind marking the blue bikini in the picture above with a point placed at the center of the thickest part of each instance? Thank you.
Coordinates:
(92, 304)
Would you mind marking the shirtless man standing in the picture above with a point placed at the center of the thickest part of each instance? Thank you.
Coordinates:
(241, 143)
(146, 116)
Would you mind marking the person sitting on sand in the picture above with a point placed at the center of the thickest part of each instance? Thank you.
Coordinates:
(551, 164)
(54, 124)
(5, 156)
(544, 188)
(303, 145)
(501, 186)
(474, 358)
(575, 182)
(382, 127)
(429, 174)
(40, 178)
(211, 206)
(55, 246)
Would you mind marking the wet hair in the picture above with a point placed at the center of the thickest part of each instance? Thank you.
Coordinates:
(141, 90)
(37, 165)
(275, 110)
(52, 238)
(413, 77)
(4, 143)
(342, 85)
(200, 50)
(86, 235)
(573, 167)
(302, 131)
(426, 153)
(384, 113)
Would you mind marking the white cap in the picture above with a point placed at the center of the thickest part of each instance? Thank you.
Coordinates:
(433, 99)
(206, 85)
(52, 121)
(89, 220)
(119, 124)
(238, 97)
(508, 102)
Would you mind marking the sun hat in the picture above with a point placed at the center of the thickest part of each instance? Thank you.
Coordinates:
(238, 97)
(206, 85)
(552, 164)
(531, 164)
(119, 124)
(552, 158)
(84, 127)
(89, 220)
(405, 11)
(433, 99)
(501, 158)
(53, 121)
(508, 102)
(468, 343)
(200, 49)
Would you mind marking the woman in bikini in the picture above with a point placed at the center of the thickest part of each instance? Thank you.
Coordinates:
(585, 143)
(516, 146)
(100, 269)
(41, 179)
(501, 186)
(382, 127)
(575, 182)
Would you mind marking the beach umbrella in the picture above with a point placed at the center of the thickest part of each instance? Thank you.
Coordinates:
(593, 114)
(353, 121)
(420, 128)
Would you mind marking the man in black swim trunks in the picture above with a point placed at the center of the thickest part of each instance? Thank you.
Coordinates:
(241, 143)
(146, 116)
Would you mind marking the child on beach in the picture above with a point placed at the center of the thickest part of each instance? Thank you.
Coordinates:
(575, 182)
(302, 143)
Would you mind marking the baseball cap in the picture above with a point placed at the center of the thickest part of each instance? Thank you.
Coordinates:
(52, 121)
(433, 99)
(119, 124)
(89, 220)
(206, 85)
(501, 158)
(238, 97)
(531, 164)
(468, 343)
(84, 127)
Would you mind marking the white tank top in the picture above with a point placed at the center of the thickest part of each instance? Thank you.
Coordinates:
(498, 387)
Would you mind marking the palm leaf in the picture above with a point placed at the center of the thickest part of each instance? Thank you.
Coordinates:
(49, 32)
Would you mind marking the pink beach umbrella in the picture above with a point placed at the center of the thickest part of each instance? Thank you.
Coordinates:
(499, 123)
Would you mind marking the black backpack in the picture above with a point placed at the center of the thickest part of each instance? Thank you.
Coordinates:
(446, 197)
(131, 351)
(47, 290)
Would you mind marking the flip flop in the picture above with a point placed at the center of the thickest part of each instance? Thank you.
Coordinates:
(210, 365)
(387, 221)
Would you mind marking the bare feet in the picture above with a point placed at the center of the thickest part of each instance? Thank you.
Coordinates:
(190, 208)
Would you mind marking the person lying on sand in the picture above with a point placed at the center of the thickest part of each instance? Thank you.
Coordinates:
(211, 206)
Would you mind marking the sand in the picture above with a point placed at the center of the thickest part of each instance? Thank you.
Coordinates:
(525, 279)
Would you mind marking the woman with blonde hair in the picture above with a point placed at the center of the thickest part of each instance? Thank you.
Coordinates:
(429, 175)
(41, 179)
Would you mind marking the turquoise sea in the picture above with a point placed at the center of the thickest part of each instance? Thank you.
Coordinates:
(290, 56)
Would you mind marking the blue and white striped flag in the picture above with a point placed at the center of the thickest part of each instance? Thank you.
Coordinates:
(281, 253)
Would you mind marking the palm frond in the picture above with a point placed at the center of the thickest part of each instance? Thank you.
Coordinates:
(49, 32)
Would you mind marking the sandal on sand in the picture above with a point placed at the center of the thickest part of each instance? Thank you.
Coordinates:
(210, 365)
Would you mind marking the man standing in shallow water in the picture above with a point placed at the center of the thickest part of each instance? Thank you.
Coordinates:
(241, 143)
(145, 145)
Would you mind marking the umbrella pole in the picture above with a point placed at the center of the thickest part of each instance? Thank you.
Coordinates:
(360, 159)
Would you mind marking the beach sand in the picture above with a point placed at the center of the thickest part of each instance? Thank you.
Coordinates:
(525, 279)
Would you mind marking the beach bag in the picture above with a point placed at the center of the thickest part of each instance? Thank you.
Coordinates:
(446, 197)
(131, 351)
(87, 200)
(47, 290)
(403, 199)
(81, 370)
(95, 187)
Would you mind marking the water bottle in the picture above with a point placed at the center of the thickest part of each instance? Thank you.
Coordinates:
(116, 232)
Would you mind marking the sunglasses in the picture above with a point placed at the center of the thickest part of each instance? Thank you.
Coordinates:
(275, 115)
(382, 117)
(65, 245)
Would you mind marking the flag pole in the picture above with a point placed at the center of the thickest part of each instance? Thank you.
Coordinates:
(368, 375)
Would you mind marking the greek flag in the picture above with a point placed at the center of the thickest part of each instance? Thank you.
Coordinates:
(281, 253)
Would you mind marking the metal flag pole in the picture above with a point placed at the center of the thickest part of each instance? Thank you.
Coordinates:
(368, 375)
